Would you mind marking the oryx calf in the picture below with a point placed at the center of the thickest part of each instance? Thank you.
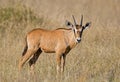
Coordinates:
(59, 41)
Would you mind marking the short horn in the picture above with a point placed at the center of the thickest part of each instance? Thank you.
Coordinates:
(74, 20)
(81, 20)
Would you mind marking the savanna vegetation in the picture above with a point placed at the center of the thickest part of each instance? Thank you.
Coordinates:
(95, 59)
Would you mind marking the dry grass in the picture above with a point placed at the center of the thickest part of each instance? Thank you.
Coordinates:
(95, 59)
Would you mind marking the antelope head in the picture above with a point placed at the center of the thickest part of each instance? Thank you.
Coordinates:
(78, 28)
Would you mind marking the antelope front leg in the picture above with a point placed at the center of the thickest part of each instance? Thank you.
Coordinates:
(63, 63)
(58, 60)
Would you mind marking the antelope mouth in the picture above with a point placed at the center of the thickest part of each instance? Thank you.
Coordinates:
(79, 40)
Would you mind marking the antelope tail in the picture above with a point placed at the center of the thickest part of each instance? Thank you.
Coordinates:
(25, 48)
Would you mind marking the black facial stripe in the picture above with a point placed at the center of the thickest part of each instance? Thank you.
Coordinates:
(74, 33)
(81, 32)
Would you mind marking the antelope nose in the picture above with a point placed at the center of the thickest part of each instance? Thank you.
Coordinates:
(78, 40)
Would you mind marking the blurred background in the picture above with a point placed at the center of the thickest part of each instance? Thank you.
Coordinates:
(95, 59)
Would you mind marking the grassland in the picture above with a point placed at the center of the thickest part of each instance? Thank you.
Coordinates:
(95, 59)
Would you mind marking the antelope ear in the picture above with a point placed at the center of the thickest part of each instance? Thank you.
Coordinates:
(69, 24)
(87, 25)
